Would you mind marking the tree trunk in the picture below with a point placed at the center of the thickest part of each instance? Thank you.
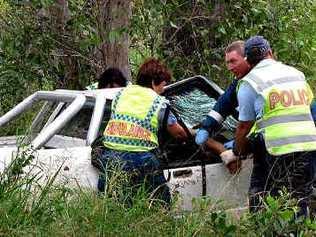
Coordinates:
(61, 15)
(113, 21)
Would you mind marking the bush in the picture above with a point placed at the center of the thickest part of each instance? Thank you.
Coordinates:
(28, 208)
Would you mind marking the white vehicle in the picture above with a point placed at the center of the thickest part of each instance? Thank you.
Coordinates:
(69, 121)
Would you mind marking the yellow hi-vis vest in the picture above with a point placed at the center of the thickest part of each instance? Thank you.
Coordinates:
(287, 124)
(133, 125)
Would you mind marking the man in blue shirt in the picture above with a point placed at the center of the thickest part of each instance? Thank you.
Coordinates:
(227, 103)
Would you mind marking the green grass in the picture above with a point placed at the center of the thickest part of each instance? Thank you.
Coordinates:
(50, 210)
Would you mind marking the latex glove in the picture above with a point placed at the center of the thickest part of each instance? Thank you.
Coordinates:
(228, 156)
(201, 136)
(229, 145)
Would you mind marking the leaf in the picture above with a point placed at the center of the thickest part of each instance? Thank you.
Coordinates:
(222, 30)
(173, 25)
(287, 215)
(272, 203)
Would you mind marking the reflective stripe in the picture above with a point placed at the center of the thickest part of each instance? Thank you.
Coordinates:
(129, 141)
(283, 119)
(146, 122)
(217, 116)
(131, 119)
(115, 100)
(134, 120)
(153, 109)
(262, 85)
(291, 140)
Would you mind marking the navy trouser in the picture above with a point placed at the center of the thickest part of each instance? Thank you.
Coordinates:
(270, 174)
(143, 167)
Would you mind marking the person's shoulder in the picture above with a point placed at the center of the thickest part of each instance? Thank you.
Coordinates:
(291, 69)
(164, 102)
(234, 83)
(245, 89)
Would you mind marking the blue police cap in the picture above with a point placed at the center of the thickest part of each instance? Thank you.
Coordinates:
(256, 48)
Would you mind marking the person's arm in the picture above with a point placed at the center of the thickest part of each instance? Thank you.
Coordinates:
(174, 128)
(227, 102)
(225, 106)
(247, 116)
(177, 131)
(243, 129)
(228, 157)
(215, 146)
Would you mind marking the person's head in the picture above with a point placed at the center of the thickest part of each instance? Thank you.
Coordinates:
(235, 59)
(153, 74)
(111, 78)
(257, 48)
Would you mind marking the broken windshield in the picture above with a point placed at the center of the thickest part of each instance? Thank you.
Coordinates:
(193, 105)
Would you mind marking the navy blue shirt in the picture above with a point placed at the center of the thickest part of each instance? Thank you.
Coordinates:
(313, 110)
(227, 103)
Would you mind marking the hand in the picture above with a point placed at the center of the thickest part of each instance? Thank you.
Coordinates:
(201, 136)
(231, 161)
(228, 156)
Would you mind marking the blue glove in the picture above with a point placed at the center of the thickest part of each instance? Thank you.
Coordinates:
(229, 145)
(201, 136)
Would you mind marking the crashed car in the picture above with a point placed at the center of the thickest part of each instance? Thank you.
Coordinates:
(68, 122)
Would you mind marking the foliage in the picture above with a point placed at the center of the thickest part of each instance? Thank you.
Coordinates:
(277, 219)
(39, 49)
(287, 24)
(24, 55)
(192, 35)
(29, 207)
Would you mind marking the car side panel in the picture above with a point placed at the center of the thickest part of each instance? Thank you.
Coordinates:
(72, 166)
(185, 184)
(232, 189)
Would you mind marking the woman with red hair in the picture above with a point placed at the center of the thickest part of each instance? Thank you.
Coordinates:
(131, 135)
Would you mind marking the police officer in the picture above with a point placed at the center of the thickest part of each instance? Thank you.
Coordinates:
(275, 99)
(227, 103)
(131, 135)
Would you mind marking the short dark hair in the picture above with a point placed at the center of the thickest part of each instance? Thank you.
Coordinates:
(152, 70)
(238, 46)
(110, 77)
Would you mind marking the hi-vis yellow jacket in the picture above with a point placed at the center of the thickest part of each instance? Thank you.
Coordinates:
(133, 125)
(287, 124)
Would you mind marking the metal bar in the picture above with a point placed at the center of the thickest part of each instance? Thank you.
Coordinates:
(29, 101)
(40, 116)
(96, 119)
(59, 122)
(54, 114)
(18, 109)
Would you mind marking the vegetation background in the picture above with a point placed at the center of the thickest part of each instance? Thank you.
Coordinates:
(47, 44)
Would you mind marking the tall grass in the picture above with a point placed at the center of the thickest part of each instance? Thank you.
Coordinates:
(30, 209)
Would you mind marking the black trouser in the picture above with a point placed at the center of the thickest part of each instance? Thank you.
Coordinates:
(270, 174)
